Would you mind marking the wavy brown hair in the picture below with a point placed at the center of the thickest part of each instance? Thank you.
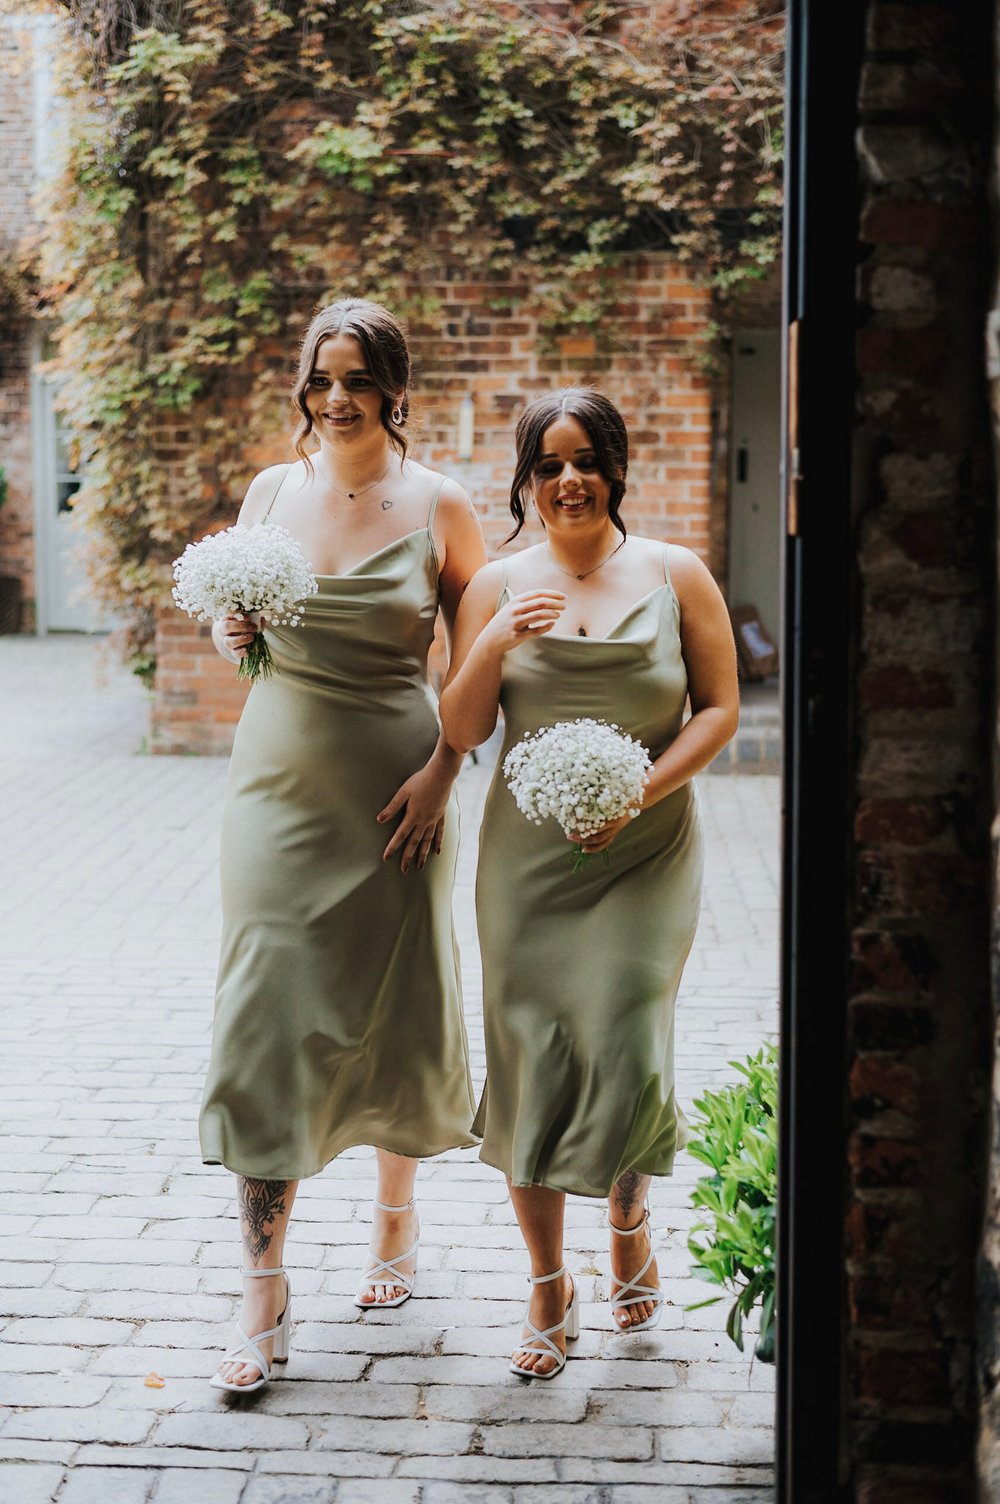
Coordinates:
(387, 357)
(605, 428)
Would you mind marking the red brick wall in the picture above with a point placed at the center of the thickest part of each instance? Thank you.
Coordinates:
(198, 696)
(649, 369)
(919, 1006)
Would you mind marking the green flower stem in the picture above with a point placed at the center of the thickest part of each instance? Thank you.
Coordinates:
(256, 662)
(581, 858)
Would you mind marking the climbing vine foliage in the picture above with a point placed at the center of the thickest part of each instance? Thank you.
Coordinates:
(229, 165)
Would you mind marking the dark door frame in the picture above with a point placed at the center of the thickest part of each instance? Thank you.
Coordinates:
(821, 238)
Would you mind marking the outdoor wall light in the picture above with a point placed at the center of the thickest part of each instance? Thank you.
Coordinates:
(466, 427)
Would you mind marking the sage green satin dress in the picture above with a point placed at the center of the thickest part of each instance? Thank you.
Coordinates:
(338, 1017)
(581, 970)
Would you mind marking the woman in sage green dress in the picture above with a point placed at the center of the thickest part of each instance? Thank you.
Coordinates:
(338, 1015)
(581, 968)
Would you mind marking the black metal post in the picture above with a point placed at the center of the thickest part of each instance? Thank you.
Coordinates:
(824, 53)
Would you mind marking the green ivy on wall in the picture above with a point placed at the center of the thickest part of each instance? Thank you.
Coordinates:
(229, 165)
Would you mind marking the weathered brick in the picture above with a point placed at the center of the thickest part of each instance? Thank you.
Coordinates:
(919, 222)
(918, 85)
(883, 1161)
(910, 1377)
(882, 1302)
(911, 352)
(879, 1025)
(902, 882)
(894, 27)
(898, 686)
(877, 1082)
(899, 153)
(908, 822)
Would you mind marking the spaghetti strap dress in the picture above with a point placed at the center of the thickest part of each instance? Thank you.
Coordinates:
(581, 969)
(338, 1014)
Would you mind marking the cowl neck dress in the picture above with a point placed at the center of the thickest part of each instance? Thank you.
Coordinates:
(581, 970)
(338, 1016)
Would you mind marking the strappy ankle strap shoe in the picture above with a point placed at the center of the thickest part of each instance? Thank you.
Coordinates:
(633, 1292)
(386, 1272)
(571, 1323)
(250, 1345)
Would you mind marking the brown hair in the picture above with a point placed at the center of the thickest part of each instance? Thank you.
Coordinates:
(387, 357)
(605, 428)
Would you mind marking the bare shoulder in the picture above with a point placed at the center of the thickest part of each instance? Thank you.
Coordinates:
(261, 492)
(454, 505)
(527, 567)
(687, 571)
(485, 586)
(702, 604)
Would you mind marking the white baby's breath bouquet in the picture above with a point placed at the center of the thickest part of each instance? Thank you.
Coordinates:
(245, 571)
(582, 774)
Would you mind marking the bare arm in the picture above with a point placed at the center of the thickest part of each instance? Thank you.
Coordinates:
(461, 547)
(464, 553)
(422, 800)
(232, 636)
(710, 658)
(471, 695)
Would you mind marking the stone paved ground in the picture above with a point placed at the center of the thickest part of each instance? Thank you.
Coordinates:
(119, 1248)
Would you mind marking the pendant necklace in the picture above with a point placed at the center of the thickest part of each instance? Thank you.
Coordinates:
(572, 572)
(362, 489)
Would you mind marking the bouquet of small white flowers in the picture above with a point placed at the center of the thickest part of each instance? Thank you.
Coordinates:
(582, 774)
(243, 572)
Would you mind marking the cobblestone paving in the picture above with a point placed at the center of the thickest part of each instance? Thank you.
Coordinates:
(119, 1249)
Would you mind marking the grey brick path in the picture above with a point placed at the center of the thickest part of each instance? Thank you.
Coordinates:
(118, 1248)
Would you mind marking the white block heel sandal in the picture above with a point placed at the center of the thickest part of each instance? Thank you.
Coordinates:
(633, 1292)
(571, 1321)
(249, 1345)
(385, 1272)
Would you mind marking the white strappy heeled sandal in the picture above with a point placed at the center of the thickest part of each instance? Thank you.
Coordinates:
(385, 1272)
(571, 1322)
(280, 1333)
(633, 1292)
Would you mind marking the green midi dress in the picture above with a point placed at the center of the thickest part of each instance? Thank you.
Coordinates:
(581, 970)
(338, 1016)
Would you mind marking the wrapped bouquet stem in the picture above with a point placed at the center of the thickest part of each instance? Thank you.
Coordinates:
(246, 572)
(583, 774)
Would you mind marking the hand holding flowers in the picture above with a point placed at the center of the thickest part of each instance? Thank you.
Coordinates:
(239, 574)
(587, 775)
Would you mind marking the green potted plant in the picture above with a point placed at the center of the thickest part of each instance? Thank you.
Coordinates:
(737, 1137)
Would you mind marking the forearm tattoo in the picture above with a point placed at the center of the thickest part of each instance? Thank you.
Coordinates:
(261, 1201)
(627, 1188)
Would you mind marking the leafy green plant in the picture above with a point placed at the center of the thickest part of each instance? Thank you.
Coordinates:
(737, 1137)
(229, 165)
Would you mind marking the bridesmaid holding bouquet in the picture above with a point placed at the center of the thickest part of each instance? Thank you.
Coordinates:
(581, 965)
(338, 1014)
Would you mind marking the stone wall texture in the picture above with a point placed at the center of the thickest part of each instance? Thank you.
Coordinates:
(925, 524)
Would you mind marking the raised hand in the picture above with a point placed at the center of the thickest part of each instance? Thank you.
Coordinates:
(234, 634)
(524, 616)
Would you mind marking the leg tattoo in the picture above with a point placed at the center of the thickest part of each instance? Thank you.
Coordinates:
(627, 1189)
(261, 1201)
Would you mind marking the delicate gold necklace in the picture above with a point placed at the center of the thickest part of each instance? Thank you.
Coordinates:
(572, 572)
(361, 489)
